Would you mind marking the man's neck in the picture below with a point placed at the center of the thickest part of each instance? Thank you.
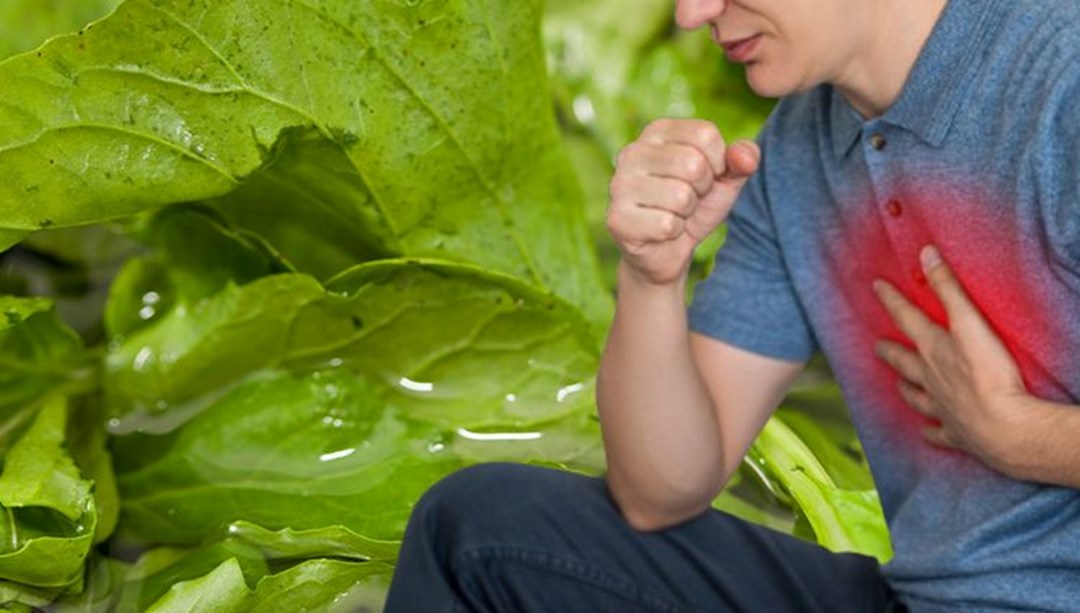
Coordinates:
(876, 76)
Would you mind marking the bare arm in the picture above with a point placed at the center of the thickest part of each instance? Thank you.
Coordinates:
(678, 410)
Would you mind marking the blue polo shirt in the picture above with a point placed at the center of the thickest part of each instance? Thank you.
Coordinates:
(980, 155)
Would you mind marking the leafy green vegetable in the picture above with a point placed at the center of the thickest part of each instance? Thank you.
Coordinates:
(842, 520)
(222, 590)
(416, 139)
(286, 450)
(382, 400)
(24, 23)
(333, 586)
(49, 514)
(331, 541)
(158, 570)
(37, 354)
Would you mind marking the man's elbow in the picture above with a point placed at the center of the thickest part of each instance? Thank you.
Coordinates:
(643, 520)
(643, 516)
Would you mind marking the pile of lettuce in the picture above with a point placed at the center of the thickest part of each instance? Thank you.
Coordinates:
(268, 270)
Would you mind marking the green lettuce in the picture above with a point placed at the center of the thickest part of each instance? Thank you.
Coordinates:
(406, 145)
(49, 515)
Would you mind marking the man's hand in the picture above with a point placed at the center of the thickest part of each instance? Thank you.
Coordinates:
(672, 187)
(962, 377)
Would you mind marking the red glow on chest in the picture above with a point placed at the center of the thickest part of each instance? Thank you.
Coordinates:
(984, 245)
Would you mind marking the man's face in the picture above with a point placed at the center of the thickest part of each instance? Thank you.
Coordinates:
(786, 45)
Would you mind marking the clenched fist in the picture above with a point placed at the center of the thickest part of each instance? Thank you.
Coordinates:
(673, 186)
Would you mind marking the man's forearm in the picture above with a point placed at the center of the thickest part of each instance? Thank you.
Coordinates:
(662, 441)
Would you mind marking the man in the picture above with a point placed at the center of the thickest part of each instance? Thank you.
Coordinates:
(913, 212)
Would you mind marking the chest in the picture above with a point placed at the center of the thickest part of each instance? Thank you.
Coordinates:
(861, 221)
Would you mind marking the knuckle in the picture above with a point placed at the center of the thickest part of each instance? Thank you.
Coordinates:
(666, 225)
(708, 134)
(697, 167)
(669, 226)
(684, 197)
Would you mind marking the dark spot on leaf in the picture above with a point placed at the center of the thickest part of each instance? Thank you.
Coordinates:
(357, 322)
(344, 137)
(40, 54)
(45, 223)
(12, 317)
(51, 162)
(81, 46)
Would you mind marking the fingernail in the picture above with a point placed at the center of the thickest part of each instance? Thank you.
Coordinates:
(929, 258)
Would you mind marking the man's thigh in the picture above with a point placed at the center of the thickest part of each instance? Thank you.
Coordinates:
(524, 539)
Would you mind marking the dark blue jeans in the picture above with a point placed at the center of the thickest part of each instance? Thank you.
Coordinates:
(519, 539)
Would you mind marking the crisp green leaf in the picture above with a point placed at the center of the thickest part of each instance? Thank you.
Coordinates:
(38, 353)
(19, 597)
(87, 442)
(461, 346)
(433, 331)
(222, 590)
(454, 155)
(157, 570)
(197, 348)
(284, 450)
(25, 24)
(844, 469)
(323, 454)
(46, 506)
(841, 520)
(327, 586)
(38, 472)
(331, 541)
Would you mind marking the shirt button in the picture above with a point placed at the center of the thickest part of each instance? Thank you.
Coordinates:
(877, 141)
(894, 208)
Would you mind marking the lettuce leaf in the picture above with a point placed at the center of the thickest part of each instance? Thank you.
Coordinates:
(49, 515)
(396, 376)
(415, 150)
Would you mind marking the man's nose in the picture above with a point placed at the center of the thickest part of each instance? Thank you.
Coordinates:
(692, 14)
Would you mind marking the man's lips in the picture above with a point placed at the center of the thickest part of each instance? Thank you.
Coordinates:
(739, 50)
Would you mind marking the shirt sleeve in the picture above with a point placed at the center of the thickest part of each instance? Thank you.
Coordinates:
(748, 300)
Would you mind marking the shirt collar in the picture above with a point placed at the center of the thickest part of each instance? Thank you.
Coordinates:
(937, 85)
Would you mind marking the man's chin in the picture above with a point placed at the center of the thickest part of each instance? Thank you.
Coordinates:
(765, 82)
